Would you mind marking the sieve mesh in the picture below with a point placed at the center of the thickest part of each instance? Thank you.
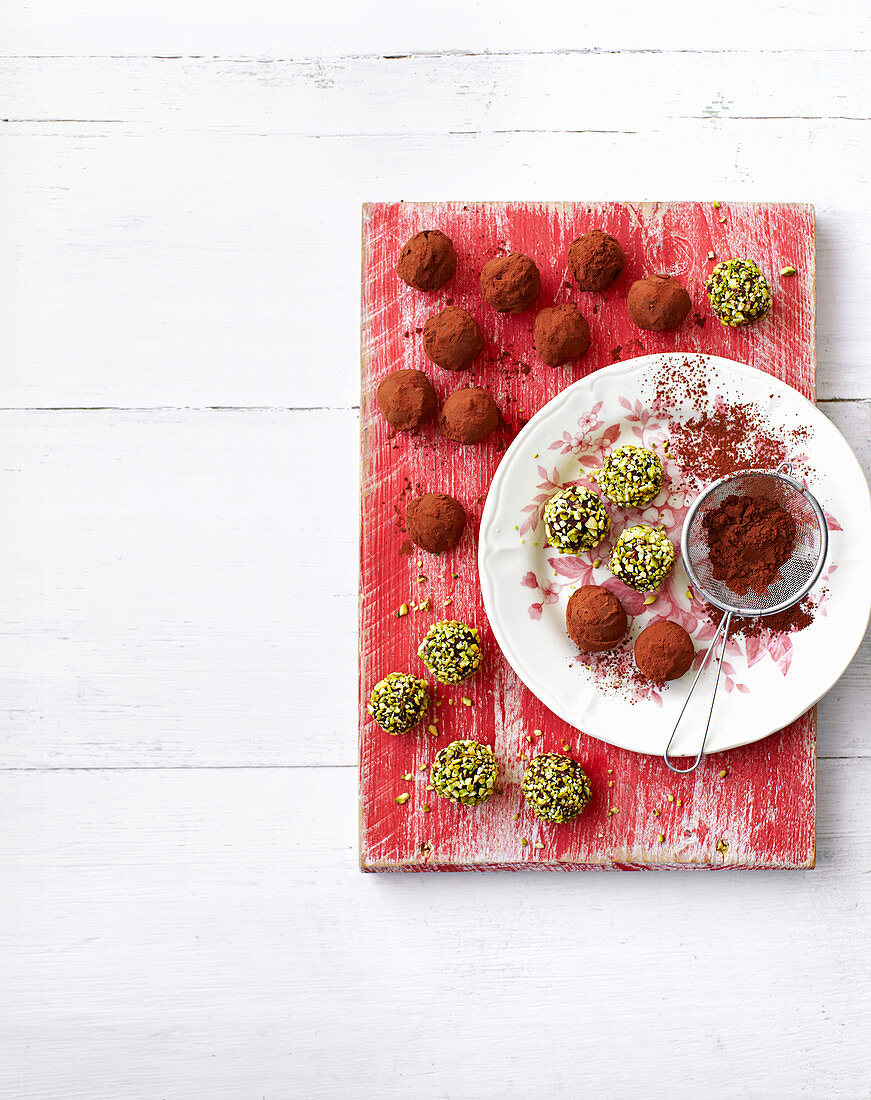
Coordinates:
(797, 575)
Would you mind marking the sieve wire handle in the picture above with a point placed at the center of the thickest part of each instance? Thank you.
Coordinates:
(722, 629)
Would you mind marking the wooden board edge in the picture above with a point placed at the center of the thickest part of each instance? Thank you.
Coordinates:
(558, 868)
(364, 451)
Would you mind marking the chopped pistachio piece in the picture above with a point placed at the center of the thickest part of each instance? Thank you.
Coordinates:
(402, 798)
(403, 610)
(787, 271)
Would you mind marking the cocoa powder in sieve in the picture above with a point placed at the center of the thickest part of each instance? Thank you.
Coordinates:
(749, 539)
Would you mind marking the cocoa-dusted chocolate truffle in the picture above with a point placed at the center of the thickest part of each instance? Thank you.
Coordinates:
(435, 522)
(427, 261)
(399, 701)
(596, 260)
(556, 788)
(406, 399)
(595, 619)
(664, 651)
(452, 339)
(561, 334)
(658, 303)
(468, 416)
(510, 284)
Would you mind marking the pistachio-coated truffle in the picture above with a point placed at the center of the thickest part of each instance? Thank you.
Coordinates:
(738, 291)
(406, 399)
(595, 619)
(451, 651)
(435, 522)
(575, 520)
(464, 772)
(399, 701)
(596, 260)
(561, 334)
(556, 788)
(630, 476)
(658, 303)
(642, 557)
(664, 651)
(510, 284)
(452, 339)
(469, 415)
(427, 261)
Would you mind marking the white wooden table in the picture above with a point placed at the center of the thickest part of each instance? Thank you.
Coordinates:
(180, 911)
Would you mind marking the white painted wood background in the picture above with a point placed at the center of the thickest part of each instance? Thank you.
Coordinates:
(180, 911)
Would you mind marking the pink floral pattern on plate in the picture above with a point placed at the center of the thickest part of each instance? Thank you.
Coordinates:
(675, 602)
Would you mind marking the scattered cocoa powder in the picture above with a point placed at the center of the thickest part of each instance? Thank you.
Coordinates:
(791, 621)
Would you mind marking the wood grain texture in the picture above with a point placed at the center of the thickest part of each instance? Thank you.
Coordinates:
(762, 813)
(151, 197)
(205, 935)
(272, 28)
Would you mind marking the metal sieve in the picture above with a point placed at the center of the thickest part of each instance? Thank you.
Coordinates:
(797, 576)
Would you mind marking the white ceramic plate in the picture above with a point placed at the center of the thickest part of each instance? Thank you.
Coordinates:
(768, 682)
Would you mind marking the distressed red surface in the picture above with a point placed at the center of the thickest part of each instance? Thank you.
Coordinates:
(764, 808)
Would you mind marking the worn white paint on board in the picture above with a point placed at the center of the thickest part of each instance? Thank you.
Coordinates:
(183, 233)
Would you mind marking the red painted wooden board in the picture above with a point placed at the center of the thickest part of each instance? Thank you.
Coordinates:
(761, 814)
